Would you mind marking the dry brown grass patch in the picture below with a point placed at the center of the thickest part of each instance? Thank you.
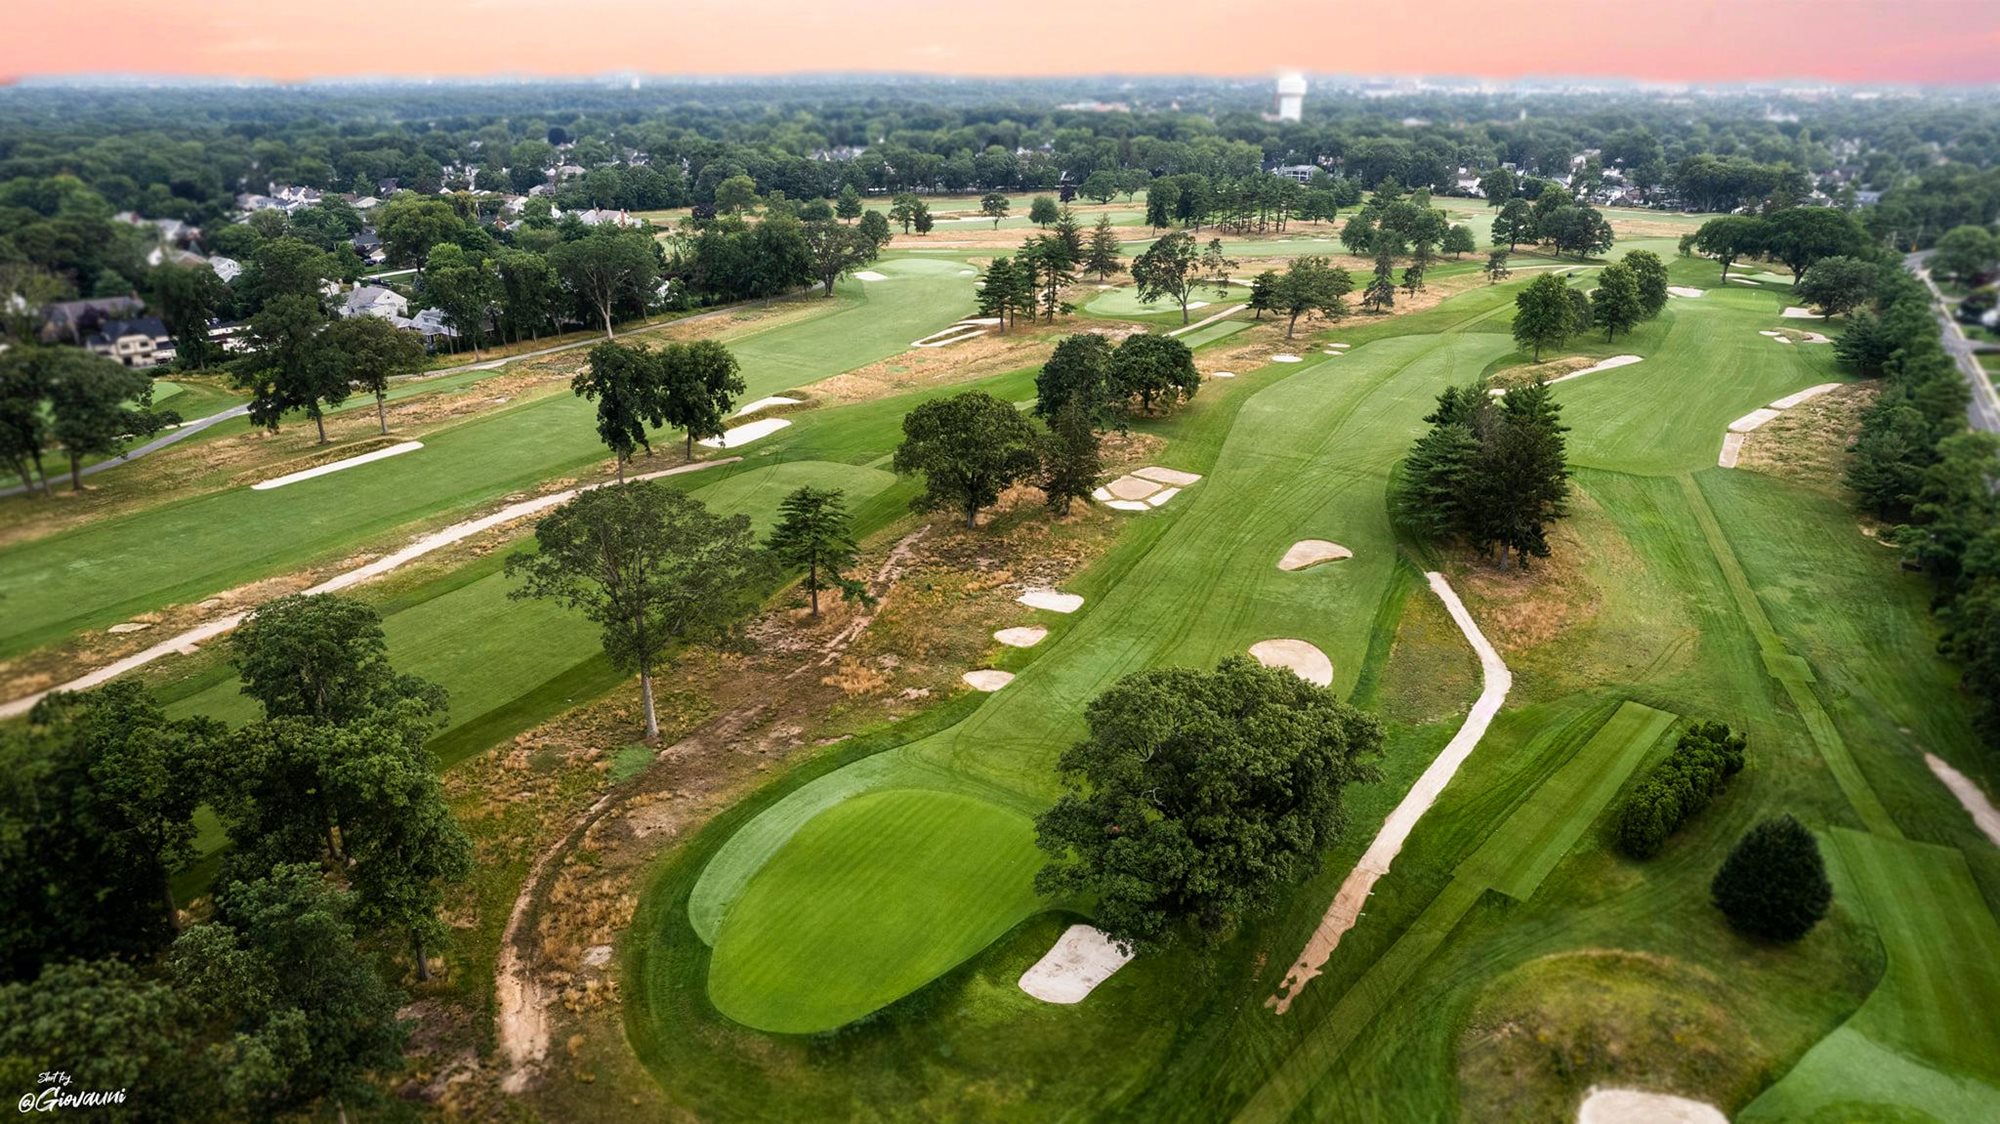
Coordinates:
(1808, 443)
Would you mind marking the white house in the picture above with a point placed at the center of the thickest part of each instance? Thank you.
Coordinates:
(374, 300)
(226, 268)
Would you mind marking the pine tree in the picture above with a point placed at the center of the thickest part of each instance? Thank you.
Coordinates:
(1496, 267)
(1070, 233)
(1071, 463)
(1380, 295)
(995, 288)
(848, 206)
(1413, 278)
(1773, 884)
(1263, 292)
(1102, 258)
(814, 534)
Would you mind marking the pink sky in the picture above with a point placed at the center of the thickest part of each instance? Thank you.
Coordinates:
(1927, 41)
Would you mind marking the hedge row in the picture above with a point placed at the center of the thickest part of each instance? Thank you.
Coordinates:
(1701, 763)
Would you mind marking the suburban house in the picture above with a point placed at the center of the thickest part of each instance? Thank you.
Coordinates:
(595, 217)
(229, 269)
(134, 343)
(430, 323)
(369, 245)
(374, 300)
(73, 320)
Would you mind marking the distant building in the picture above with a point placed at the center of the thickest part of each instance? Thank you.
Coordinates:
(73, 320)
(1303, 173)
(134, 343)
(229, 269)
(1291, 96)
(374, 300)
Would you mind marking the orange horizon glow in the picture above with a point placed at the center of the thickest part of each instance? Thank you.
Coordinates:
(1930, 42)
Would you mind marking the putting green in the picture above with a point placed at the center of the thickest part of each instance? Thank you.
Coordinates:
(916, 899)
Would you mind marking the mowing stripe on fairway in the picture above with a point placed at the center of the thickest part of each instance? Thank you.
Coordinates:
(1513, 860)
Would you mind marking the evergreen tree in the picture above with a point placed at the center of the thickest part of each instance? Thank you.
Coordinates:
(1264, 292)
(1773, 885)
(1496, 267)
(848, 206)
(815, 534)
(1070, 233)
(1380, 295)
(1103, 255)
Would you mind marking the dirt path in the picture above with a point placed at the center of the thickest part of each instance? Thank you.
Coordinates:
(1977, 804)
(186, 642)
(1346, 908)
(522, 1023)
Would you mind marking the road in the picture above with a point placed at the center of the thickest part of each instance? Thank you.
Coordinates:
(1984, 409)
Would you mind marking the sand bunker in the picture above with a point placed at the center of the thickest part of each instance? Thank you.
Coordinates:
(1340, 916)
(957, 333)
(744, 434)
(1311, 552)
(1684, 291)
(1796, 313)
(337, 466)
(1298, 657)
(1082, 958)
(870, 275)
(1744, 281)
(1024, 637)
(1753, 420)
(987, 679)
(1284, 359)
(1806, 395)
(1632, 1106)
(1143, 489)
(1732, 450)
(1222, 374)
(128, 626)
(1051, 600)
(1977, 803)
(767, 403)
(1610, 364)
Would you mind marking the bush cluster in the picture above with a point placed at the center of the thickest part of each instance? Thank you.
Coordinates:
(1701, 763)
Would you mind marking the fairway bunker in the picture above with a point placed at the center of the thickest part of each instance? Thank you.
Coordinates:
(1052, 600)
(337, 466)
(1222, 374)
(1610, 364)
(1745, 281)
(1025, 637)
(957, 333)
(1685, 291)
(1285, 358)
(1977, 804)
(1083, 957)
(767, 403)
(1300, 658)
(1636, 1106)
(1311, 552)
(744, 434)
(1741, 428)
(870, 275)
(1794, 312)
(1143, 489)
(987, 679)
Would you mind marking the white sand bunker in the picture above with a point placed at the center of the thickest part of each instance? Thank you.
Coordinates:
(1610, 364)
(1745, 281)
(1312, 552)
(957, 333)
(1753, 420)
(337, 466)
(1143, 488)
(1051, 600)
(1633, 1106)
(1284, 359)
(1684, 291)
(1296, 656)
(1984, 815)
(987, 679)
(767, 403)
(870, 275)
(128, 626)
(1222, 374)
(744, 434)
(1082, 958)
(1796, 313)
(1025, 637)
(1732, 450)
(1806, 395)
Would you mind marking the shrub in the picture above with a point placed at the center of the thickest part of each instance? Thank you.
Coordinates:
(1773, 885)
(1701, 763)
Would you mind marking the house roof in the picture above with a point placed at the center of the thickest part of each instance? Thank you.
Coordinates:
(368, 296)
(113, 330)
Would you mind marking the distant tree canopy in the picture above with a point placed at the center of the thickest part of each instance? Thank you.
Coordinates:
(1199, 798)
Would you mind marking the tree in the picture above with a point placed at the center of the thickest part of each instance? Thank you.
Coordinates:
(1966, 253)
(1651, 273)
(411, 225)
(1800, 236)
(1730, 237)
(848, 206)
(699, 382)
(1514, 224)
(1701, 763)
(322, 658)
(1837, 285)
(1042, 211)
(629, 386)
(1616, 306)
(189, 297)
(1077, 371)
(1071, 461)
(286, 370)
(107, 1026)
(606, 267)
(1100, 186)
(1264, 292)
(1169, 269)
(903, 209)
(24, 421)
(1070, 233)
(1380, 295)
(1199, 798)
(814, 534)
(921, 218)
(1103, 255)
(464, 287)
(1543, 314)
(1773, 885)
(1458, 240)
(1163, 198)
(1157, 370)
(368, 351)
(969, 447)
(1498, 185)
(649, 565)
(875, 225)
(96, 406)
(1496, 267)
(1413, 279)
(994, 206)
(1489, 475)
(1046, 263)
(735, 195)
(838, 250)
(1311, 286)
(1215, 265)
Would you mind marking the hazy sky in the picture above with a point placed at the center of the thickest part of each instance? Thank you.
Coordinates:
(1931, 41)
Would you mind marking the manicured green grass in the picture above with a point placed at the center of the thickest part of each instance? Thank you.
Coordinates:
(904, 908)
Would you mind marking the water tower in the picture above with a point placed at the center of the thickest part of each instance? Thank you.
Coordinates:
(1291, 95)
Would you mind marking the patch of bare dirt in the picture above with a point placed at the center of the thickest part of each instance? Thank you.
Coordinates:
(1808, 443)
(1522, 609)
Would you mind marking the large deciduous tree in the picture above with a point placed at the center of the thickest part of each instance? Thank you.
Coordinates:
(1199, 798)
(968, 448)
(1730, 237)
(1311, 286)
(1616, 306)
(1169, 269)
(368, 351)
(607, 267)
(1837, 285)
(651, 566)
(837, 250)
(96, 406)
(1544, 314)
(627, 382)
(1157, 370)
(699, 382)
